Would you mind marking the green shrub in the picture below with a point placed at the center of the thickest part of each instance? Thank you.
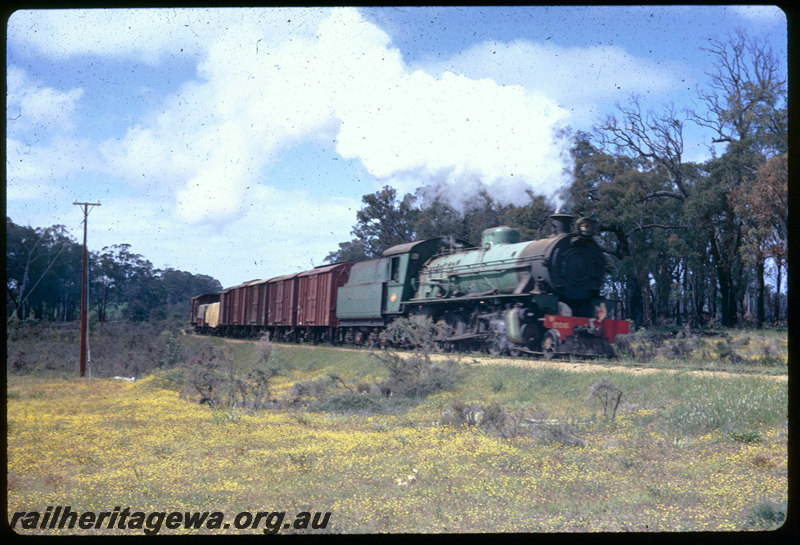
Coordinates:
(726, 350)
(415, 374)
(767, 515)
(170, 351)
(216, 378)
(608, 395)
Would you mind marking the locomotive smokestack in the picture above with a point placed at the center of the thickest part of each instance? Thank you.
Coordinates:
(562, 223)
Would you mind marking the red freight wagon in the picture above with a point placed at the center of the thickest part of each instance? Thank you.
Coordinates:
(282, 304)
(316, 295)
(231, 309)
(256, 304)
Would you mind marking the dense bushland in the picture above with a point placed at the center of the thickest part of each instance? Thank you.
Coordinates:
(710, 348)
(129, 349)
(43, 272)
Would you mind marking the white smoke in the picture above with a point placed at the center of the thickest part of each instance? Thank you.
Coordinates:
(460, 133)
(341, 81)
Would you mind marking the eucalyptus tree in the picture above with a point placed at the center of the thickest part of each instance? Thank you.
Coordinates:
(382, 222)
(620, 191)
(42, 273)
(745, 108)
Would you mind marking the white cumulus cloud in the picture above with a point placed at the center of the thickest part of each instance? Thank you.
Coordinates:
(468, 128)
(146, 34)
(259, 93)
(576, 78)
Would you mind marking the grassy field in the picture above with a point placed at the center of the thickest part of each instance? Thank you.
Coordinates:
(681, 452)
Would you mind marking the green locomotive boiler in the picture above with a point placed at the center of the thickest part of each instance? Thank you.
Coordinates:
(506, 296)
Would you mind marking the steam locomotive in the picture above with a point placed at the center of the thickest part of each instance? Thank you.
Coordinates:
(539, 297)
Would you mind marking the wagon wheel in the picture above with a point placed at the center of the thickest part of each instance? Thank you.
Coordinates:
(550, 342)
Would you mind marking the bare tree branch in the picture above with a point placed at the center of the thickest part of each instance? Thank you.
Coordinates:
(649, 136)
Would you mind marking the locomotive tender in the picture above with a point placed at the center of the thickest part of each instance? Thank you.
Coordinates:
(538, 297)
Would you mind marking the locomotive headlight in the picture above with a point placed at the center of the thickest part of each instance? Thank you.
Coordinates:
(585, 227)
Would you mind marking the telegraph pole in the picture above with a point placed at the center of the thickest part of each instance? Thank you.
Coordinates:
(84, 284)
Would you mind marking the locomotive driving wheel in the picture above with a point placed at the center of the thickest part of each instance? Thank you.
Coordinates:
(550, 342)
(496, 340)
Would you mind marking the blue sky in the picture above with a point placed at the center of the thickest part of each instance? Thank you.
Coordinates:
(238, 142)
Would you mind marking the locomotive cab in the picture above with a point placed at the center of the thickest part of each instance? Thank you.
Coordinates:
(379, 289)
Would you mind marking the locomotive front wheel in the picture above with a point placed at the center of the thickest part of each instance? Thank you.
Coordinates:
(550, 343)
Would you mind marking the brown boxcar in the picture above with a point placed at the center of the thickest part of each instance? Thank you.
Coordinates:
(197, 317)
(231, 308)
(282, 301)
(316, 295)
(256, 305)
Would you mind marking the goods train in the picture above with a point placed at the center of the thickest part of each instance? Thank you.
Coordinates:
(506, 297)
